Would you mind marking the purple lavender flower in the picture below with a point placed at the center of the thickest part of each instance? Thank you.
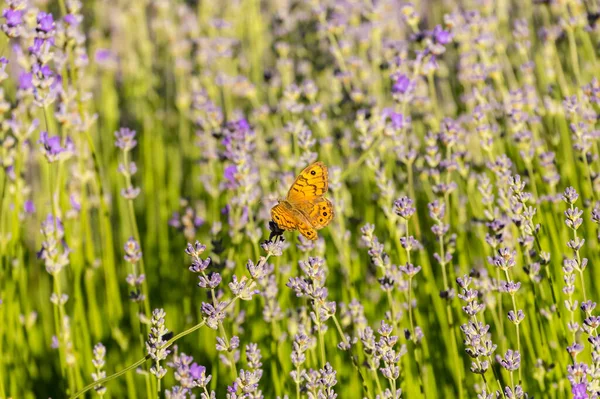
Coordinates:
(230, 176)
(214, 315)
(13, 25)
(133, 254)
(196, 370)
(102, 55)
(25, 81)
(570, 195)
(130, 193)
(36, 50)
(511, 361)
(402, 84)
(437, 210)
(243, 288)
(441, 36)
(71, 20)
(45, 22)
(29, 207)
(410, 270)
(211, 281)
(53, 148)
(42, 72)
(274, 248)
(198, 265)
(75, 204)
(404, 207)
(13, 18)
(155, 345)
(397, 119)
(125, 139)
(579, 391)
(105, 59)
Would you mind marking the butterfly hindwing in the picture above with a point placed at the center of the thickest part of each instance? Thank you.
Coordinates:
(318, 212)
(307, 231)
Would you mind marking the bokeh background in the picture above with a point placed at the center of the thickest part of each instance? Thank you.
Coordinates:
(462, 143)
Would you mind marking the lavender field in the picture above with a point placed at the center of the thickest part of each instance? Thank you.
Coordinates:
(143, 144)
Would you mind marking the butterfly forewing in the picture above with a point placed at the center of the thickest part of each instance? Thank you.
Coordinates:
(284, 219)
(311, 183)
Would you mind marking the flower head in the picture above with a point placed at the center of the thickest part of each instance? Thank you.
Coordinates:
(402, 84)
(125, 139)
(579, 391)
(52, 147)
(13, 18)
(45, 22)
(25, 81)
(441, 36)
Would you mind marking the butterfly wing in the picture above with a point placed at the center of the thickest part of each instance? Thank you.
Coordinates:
(311, 183)
(288, 218)
(318, 212)
(307, 231)
(283, 217)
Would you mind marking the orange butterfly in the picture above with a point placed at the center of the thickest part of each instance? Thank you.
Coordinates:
(305, 208)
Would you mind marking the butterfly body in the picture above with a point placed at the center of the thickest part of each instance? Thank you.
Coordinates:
(305, 208)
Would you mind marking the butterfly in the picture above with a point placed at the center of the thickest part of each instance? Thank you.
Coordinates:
(305, 209)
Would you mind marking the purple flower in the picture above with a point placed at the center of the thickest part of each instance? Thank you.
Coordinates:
(441, 36)
(125, 139)
(71, 20)
(232, 388)
(10, 172)
(238, 140)
(42, 72)
(579, 391)
(437, 209)
(401, 84)
(56, 84)
(570, 195)
(29, 206)
(404, 208)
(410, 270)
(242, 124)
(13, 18)
(75, 205)
(25, 81)
(174, 221)
(45, 22)
(105, 58)
(52, 146)
(511, 361)
(213, 315)
(397, 120)
(195, 250)
(211, 281)
(230, 173)
(197, 371)
(103, 55)
(36, 49)
(133, 254)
